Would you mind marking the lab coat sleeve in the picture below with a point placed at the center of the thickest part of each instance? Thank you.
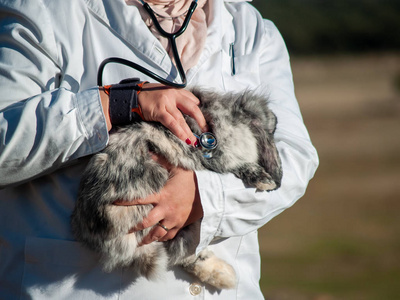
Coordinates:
(42, 126)
(231, 209)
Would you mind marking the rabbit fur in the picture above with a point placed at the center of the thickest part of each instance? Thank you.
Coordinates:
(244, 127)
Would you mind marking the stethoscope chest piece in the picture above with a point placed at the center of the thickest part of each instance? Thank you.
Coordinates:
(207, 142)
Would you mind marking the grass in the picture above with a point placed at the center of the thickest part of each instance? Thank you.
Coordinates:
(342, 239)
(341, 267)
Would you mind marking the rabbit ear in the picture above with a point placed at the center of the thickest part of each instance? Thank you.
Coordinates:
(263, 124)
(268, 156)
(271, 121)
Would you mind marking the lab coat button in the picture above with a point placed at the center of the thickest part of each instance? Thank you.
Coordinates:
(195, 289)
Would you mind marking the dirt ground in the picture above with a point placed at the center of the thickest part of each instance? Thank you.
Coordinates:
(342, 239)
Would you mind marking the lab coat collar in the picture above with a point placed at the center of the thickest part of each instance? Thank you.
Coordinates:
(122, 19)
(125, 21)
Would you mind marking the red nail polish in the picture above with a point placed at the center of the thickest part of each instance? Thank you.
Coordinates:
(188, 141)
(196, 143)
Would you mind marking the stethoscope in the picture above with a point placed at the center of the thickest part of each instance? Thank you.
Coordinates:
(170, 36)
(207, 141)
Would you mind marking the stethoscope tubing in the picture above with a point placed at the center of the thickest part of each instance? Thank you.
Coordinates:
(181, 30)
(170, 36)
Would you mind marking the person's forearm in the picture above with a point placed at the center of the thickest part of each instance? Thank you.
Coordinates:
(105, 104)
(42, 133)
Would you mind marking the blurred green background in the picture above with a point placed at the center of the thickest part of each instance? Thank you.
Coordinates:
(334, 27)
(342, 239)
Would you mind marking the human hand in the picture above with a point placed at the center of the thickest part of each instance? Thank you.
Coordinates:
(176, 206)
(164, 104)
(105, 103)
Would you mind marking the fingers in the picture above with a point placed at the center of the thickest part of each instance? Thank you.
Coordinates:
(181, 129)
(154, 216)
(166, 105)
(191, 97)
(162, 161)
(160, 234)
(192, 110)
(151, 199)
(156, 234)
(161, 230)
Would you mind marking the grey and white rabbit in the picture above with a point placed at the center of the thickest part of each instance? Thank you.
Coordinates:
(243, 126)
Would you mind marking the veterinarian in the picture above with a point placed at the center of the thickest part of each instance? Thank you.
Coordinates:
(53, 115)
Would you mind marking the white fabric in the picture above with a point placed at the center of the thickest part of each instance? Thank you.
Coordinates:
(51, 118)
(171, 15)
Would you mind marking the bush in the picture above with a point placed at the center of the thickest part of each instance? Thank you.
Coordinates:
(326, 27)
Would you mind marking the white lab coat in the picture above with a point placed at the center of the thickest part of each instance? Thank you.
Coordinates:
(51, 120)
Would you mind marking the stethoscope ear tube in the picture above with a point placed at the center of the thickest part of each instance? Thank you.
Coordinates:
(139, 68)
(181, 30)
(171, 37)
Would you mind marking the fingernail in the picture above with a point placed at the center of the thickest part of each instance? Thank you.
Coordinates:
(188, 141)
(196, 143)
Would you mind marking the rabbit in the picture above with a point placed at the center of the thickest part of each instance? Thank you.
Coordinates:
(244, 128)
